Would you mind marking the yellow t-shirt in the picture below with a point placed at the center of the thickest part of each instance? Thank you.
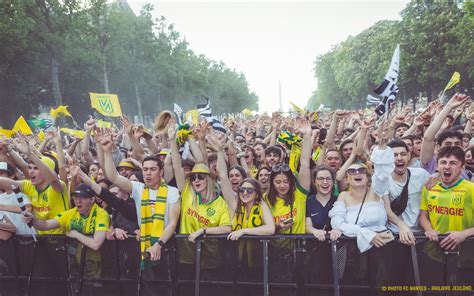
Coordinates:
(449, 209)
(205, 215)
(281, 211)
(255, 218)
(215, 213)
(98, 220)
(47, 203)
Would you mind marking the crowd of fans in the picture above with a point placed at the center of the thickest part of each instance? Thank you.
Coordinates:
(323, 173)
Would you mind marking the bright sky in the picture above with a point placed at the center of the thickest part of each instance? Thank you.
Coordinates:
(272, 41)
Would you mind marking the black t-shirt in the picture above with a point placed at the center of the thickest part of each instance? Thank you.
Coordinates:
(319, 213)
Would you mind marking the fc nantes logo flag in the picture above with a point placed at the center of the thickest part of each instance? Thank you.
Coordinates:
(106, 104)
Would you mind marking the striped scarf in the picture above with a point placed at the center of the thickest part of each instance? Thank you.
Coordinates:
(152, 218)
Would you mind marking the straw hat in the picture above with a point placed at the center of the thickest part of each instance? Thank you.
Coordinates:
(161, 121)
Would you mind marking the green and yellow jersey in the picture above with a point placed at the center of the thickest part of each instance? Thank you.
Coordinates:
(297, 211)
(47, 203)
(97, 220)
(449, 209)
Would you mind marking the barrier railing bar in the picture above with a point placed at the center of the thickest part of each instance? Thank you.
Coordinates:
(335, 274)
(416, 268)
(119, 275)
(28, 284)
(68, 278)
(372, 272)
(235, 249)
(198, 267)
(266, 288)
(81, 269)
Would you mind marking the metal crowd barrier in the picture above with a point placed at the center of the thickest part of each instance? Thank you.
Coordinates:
(268, 265)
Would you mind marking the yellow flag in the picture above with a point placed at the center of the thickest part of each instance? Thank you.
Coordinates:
(41, 136)
(104, 124)
(61, 110)
(21, 125)
(106, 104)
(453, 81)
(296, 108)
(76, 133)
(247, 112)
(193, 116)
(6, 133)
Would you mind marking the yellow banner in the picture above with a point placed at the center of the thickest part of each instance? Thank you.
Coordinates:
(106, 104)
(61, 110)
(193, 116)
(453, 81)
(76, 133)
(104, 124)
(22, 126)
(6, 133)
(297, 108)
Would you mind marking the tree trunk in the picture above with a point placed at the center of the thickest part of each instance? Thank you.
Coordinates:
(139, 104)
(106, 75)
(58, 99)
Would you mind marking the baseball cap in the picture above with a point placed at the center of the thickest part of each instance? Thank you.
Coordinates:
(84, 191)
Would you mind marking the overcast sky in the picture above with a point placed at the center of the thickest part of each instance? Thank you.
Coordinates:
(272, 41)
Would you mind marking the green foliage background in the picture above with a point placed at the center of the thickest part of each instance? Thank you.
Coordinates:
(55, 52)
(436, 38)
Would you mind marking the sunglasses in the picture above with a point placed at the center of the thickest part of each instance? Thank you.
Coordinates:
(322, 179)
(357, 171)
(194, 177)
(282, 167)
(248, 190)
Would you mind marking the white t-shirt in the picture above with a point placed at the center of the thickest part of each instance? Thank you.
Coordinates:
(411, 214)
(9, 199)
(138, 187)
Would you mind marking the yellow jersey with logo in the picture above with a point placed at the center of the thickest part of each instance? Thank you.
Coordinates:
(297, 211)
(97, 220)
(47, 203)
(449, 209)
(203, 215)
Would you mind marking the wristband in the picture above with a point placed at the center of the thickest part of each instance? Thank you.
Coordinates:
(161, 243)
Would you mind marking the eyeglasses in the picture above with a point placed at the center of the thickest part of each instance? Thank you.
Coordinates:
(281, 167)
(357, 171)
(248, 190)
(194, 177)
(322, 179)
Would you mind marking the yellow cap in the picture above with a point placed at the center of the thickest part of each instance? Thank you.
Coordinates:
(200, 168)
(48, 162)
(126, 164)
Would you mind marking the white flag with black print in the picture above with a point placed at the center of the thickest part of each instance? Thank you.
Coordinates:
(388, 89)
(216, 124)
(205, 109)
(179, 112)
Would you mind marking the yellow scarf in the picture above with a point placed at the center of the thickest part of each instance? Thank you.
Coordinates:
(248, 249)
(255, 218)
(152, 218)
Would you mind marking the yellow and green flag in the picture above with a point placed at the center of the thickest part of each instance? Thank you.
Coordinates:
(106, 104)
(453, 81)
(192, 116)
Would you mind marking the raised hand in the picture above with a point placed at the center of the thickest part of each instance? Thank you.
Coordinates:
(457, 100)
(127, 125)
(107, 142)
(89, 124)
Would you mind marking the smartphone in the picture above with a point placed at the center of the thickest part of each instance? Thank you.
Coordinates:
(287, 221)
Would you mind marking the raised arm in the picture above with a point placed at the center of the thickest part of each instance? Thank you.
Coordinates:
(176, 158)
(61, 159)
(50, 176)
(123, 183)
(428, 145)
(304, 174)
(227, 192)
(134, 137)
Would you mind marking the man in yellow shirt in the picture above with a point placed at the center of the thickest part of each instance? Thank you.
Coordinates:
(80, 222)
(448, 208)
(47, 193)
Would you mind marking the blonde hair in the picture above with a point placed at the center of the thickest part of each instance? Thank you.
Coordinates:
(210, 191)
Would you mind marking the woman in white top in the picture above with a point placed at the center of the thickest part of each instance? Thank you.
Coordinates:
(360, 212)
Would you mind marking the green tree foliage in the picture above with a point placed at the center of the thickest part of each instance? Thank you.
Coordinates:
(98, 46)
(435, 37)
